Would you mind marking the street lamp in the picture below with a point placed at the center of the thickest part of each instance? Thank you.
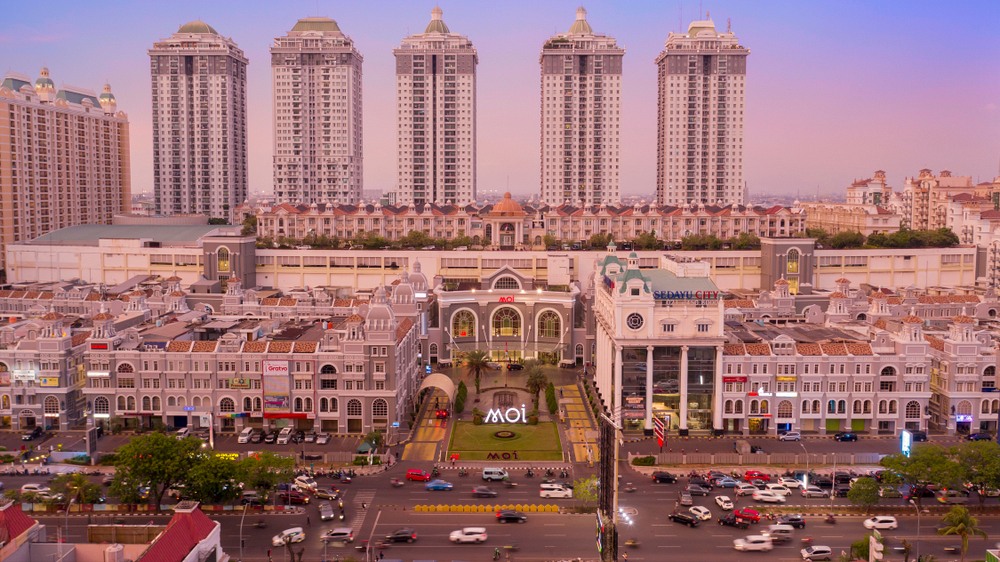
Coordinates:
(917, 507)
(244, 516)
(66, 524)
(805, 482)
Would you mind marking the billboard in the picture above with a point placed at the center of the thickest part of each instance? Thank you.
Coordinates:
(276, 387)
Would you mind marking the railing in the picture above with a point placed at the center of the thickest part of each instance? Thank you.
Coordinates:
(758, 459)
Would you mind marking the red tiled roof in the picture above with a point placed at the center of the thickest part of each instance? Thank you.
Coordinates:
(894, 300)
(355, 318)
(183, 533)
(880, 323)
(14, 522)
(733, 349)
(808, 349)
(179, 346)
(834, 348)
(279, 347)
(79, 339)
(859, 348)
(93, 297)
(255, 347)
(837, 295)
(911, 319)
(963, 319)
(843, 280)
(936, 343)
(739, 303)
(758, 349)
(286, 302)
(204, 346)
(305, 347)
(403, 328)
(270, 302)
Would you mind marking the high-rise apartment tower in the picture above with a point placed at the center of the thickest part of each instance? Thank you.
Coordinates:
(316, 75)
(581, 106)
(199, 122)
(699, 150)
(436, 116)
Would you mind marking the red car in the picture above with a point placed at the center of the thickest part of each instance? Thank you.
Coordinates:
(418, 475)
(756, 474)
(293, 497)
(441, 414)
(747, 514)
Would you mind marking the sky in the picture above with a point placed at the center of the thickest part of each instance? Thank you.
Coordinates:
(835, 89)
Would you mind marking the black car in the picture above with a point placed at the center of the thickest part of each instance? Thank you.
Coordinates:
(511, 516)
(822, 482)
(32, 435)
(796, 521)
(845, 436)
(696, 490)
(981, 436)
(515, 367)
(840, 490)
(271, 436)
(257, 436)
(661, 477)
(698, 481)
(684, 519)
(918, 436)
(483, 492)
(731, 520)
(402, 535)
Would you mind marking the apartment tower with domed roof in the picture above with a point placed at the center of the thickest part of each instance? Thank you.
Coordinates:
(316, 73)
(435, 117)
(199, 83)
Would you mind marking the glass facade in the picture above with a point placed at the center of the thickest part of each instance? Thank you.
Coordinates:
(665, 379)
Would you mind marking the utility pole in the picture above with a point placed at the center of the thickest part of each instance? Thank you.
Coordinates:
(607, 510)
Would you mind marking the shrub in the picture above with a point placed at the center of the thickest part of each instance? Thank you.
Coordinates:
(460, 396)
(648, 460)
(362, 460)
(82, 460)
(108, 459)
(477, 416)
(533, 417)
(550, 398)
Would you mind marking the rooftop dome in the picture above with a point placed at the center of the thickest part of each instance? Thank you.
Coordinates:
(44, 81)
(507, 207)
(437, 24)
(106, 95)
(197, 26)
(580, 26)
(316, 24)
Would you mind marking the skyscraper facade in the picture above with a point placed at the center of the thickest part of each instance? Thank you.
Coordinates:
(316, 75)
(580, 110)
(199, 122)
(64, 158)
(436, 116)
(702, 74)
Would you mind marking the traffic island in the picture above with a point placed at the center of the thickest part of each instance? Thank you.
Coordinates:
(505, 442)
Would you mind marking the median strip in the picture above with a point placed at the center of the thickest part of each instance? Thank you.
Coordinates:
(476, 508)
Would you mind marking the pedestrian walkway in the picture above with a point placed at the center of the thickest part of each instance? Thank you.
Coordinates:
(580, 431)
(429, 432)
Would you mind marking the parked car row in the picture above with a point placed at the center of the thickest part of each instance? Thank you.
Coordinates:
(281, 437)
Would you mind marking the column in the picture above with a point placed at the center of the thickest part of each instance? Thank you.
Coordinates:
(683, 422)
(649, 391)
(616, 386)
(717, 392)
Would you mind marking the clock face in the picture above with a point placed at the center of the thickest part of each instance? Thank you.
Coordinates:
(634, 321)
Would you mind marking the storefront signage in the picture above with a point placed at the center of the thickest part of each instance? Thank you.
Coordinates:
(239, 384)
(964, 418)
(510, 415)
(48, 381)
(22, 376)
(99, 346)
(792, 379)
(734, 379)
(633, 415)
(98, 374)
(275, 368)
(508, 299)
(635, 402)
(685, 295)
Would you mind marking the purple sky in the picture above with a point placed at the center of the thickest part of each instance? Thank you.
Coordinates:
(836, 90)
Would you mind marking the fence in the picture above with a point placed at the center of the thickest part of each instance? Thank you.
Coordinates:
(758, 459)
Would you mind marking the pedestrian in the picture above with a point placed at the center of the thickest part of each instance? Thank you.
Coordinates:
(381, 555)
(625, 556)
(308, 523)
(364, 505)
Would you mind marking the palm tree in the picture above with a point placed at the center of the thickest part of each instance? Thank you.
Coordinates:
(476, 362)
(75, 486)
(959, 522)
(536, 382)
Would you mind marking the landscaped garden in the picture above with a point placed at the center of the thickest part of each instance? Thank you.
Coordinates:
(505, 442)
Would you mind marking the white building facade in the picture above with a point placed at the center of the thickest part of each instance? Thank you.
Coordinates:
(316, 73)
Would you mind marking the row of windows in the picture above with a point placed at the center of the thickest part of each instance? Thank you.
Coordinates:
(785, 407)
(102, 405)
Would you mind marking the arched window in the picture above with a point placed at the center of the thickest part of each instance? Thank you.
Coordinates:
(125, 368)
(227, 405)
(739, 406)
(298, 404)
(380, 408)
(156, 403)
(171, 402)
(247, 404)
(257, 404)
(147, 404)
(764, 407)
(815, 406)
(831, 407)
(548, 324)
(785, 409)
(328, 370)
(51, 405)
(888, 372)
(728, 407)
(990, 371)
(354, 407)
(985, 409)
(223, 260)
(965, 408)
(506, 322)
(867, 407)
(912, 409)
(334, 404)
(754, 406)
(196, 401)
(507, 283)
(995, 407)
(857, 407)
(121, 403)
(805, 407)
(102, 406)
(842, 407)
(130, 403)
(883, 407)
(579, 350)
(309, 404)
(463, 324)
(793, 261)
(324, 405)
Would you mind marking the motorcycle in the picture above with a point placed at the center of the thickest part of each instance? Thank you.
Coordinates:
(260, 524)
(549, 472)
(435, 472)
(830, 519)
(511, 547)
(463, 472)
(346, 479)
(529, 474)
(806, 541)
(563, 474)
(396, 482)
(632, 543)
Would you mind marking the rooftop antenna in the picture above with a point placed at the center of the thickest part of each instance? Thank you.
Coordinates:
(729, 25)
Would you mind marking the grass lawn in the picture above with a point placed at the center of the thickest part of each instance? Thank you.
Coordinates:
(532, 442)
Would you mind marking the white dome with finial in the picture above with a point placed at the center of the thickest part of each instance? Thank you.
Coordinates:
(580, 26)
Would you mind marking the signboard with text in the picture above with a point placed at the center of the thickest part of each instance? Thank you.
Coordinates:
(276, 387)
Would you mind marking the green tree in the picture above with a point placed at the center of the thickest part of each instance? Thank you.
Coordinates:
(549, 241)
(213, 479)
(249, 226)
(585, 490)
(745, 241)
(477, 361)
(821, 236)
(376, 438)
(843, 240)
(961, 523)
(536, 381)
(550, 398)
(599, 240)
(647, 241)
(156, 460)
(264, 470)
(695, 242)
(415, 239)
(980, 461)
(461, 393)
(928, 463)
(864, 493)
(218, 221)
(75, 487)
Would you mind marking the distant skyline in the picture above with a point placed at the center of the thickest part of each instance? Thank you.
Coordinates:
(835, 90)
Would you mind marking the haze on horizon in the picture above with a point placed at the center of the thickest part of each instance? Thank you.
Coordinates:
(835, 90)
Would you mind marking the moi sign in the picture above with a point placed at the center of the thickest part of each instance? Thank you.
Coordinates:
(510, 415)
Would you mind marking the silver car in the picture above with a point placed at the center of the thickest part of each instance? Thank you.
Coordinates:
(325, 511)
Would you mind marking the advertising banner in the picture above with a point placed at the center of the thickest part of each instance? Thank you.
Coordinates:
(276, 387)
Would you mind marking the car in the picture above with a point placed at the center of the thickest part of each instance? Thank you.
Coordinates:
(684, 519)
(511, 516)
(340, 534)
(298, 437)
(322, 438)
(814, 492)
(402, 535)
(441, 414)
(845, 436)
(790, 436)
(702, 513)
(754, 543)
(661, 477)
(840, 490)
(326, 511)
(748, 514)
(32, 435)
(745, 489)
(285, 436)
(271, 436)
(515, 367)
(881, 522)
(756, 475)
(793, 520)
(696, 490)
(726, 482)
(289, 536)
(468, 534)
(257, 436)
(292, 497)
(918, 436)
(889, 492)
(35, 489)
(327, 493)
(310, 437)
(980, 436)
(724, 502)
(767, 496)
(252, 498)
(817, 552)
(758, 483)
(778, 489)
(306, 483)
(438, 486)
(790, 482)
(484, 492)
(494, 365)
(244, 436)
(552, 490)
(731, 520)
(698, 481)
(685, 499)
(418, 475)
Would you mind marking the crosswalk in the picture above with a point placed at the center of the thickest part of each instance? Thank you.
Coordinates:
(361, 501)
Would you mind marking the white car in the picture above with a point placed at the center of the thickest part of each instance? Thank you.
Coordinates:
(245, 435)
(814, 492)
(306, 483)
(790, 436)
(702, 513)
(724, 502)
(468, 534)
(767, 496)
(35, 489)
(817, 553)
(745, 489)
(778, 489)
(790, 482)
(754, 543)
(881, 522)
(288, 536)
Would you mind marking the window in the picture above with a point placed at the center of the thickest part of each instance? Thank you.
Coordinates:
(328, 384)
(912, 410)
(51, 405)
(703, 328)
(328, 370)
(354, 407)
(227, 405)
(101, 405)
(887, 372)
(298, 404)
(506, 322)
(463, 324)
(785, 409)
(380, 408)
(669, 327)
(247, 404)
(223, 260)
(507, 283)
(793, 261)
(887, 386)
(548, 324)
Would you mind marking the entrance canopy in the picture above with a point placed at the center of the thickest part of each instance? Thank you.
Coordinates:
(438, 380)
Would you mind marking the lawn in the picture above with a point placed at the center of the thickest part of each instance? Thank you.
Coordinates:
(532, 442)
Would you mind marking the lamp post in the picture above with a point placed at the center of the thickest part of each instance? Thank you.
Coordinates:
(917, 507)
(242, 517)
(66, 523)
(805, 482)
